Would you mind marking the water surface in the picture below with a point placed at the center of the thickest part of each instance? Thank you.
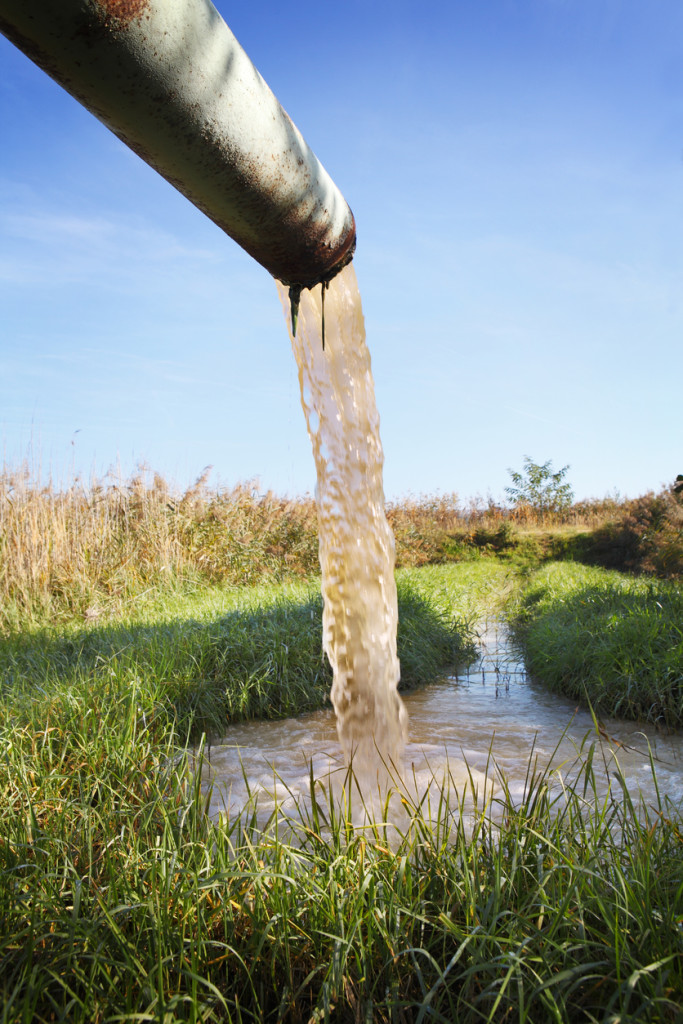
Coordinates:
(486, 720)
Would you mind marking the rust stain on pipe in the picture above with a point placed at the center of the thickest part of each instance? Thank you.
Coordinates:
(122, 12)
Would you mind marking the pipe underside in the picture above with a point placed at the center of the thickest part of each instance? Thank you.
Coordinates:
(171, 81)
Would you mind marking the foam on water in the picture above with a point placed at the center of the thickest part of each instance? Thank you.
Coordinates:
(468, 733)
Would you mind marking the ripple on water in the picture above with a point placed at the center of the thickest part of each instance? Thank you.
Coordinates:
(487, 719)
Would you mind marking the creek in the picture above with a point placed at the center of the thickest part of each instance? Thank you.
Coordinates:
(474, 734)
(485, 720)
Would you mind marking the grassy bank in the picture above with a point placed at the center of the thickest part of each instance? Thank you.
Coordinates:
(223, 655)
(107, 862)
(606, 637)
(119, 901)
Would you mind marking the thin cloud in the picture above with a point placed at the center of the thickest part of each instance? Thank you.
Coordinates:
(54, 247)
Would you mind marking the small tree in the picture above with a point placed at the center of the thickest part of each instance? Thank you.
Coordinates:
(540, 488)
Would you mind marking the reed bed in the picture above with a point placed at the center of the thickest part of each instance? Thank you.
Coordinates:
(607, 638)
(92, 549)
(121, 901)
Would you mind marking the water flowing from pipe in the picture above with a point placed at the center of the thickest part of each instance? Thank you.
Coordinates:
(356, 543)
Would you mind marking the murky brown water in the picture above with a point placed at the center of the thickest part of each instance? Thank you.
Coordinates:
(492, 711)
(356, 543)
(466, 733)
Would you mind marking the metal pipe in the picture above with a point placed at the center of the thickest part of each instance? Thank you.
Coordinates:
(169, 78)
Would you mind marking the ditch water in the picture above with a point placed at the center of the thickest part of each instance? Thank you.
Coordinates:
(465, 731)
(487, 718)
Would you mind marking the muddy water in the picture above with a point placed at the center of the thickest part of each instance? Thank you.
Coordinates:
(465, 733)
(355, 541)
(492, 712)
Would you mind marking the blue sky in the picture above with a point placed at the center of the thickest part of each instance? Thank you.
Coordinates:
(516, 172)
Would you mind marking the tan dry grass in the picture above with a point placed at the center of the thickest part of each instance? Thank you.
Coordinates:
(439, 528)
(89, 549)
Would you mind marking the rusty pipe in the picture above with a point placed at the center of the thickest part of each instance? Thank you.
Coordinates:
(170, 80)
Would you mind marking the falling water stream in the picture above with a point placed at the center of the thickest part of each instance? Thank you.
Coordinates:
(465, 732)
(356, 543)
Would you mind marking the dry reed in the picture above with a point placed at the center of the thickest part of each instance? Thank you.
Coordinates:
(89, 549)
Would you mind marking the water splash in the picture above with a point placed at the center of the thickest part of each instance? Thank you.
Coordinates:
(356, 543)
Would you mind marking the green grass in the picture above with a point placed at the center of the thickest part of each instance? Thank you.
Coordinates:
(605, 637)
(463, 592)
(121, 901)
(222, 656)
